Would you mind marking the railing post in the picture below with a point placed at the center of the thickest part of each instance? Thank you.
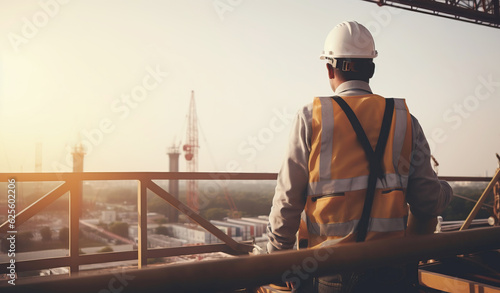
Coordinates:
(75, 208)
(142, 222)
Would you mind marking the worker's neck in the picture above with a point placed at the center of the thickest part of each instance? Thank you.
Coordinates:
(335, 83)
(353, 88)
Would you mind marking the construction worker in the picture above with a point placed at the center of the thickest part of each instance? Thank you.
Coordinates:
(357, 165)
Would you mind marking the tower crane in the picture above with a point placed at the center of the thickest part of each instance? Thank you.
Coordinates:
(190, 149)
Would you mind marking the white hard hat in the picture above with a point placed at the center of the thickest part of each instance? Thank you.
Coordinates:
(349, 39)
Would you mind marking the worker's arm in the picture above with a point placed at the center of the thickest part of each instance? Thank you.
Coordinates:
(290, 193)
(426, 194)
(421, 226)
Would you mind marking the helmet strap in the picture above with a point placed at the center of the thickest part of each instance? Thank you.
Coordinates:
(348, 66)
(345, 65)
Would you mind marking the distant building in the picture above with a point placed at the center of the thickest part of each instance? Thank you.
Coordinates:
(193, 234)
(128, 217)
(236, 231)
(244, 229)
(248, 228)
(260, 225)
(133, 231)
(158, 240)
(252, 230)
(154, 217)
(108, 217)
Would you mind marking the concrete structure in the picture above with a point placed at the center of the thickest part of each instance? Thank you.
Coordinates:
(78, 155)
(173, 185)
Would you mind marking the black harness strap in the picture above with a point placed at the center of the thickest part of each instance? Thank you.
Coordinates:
(374, 157)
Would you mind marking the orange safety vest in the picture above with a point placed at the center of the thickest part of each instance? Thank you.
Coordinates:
(338, 172)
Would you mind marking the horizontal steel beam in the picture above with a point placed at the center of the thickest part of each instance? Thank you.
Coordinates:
(97, 176)
(88, 259)
(465, 179)
(251, 271)
(447, 283)
(102, 176)
(196, 249)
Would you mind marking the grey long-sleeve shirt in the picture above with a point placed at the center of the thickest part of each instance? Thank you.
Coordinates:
(426, 195)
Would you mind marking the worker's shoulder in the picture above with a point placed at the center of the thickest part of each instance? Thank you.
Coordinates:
(304, 113)
(415, 123)
(306, 110)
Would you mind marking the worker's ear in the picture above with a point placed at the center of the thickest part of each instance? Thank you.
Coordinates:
(331, 73)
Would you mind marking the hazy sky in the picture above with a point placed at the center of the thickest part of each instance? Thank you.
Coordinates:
(118, 75)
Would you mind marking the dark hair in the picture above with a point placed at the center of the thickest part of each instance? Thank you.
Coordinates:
(355, 68)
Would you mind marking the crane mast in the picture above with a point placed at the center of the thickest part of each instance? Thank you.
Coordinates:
(191, 154)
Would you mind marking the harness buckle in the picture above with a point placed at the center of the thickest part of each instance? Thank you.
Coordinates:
(348, 66)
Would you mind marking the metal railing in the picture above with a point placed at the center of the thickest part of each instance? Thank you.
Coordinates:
(72, 184)
(249, 272)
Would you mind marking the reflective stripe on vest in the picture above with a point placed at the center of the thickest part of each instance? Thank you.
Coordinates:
(338, 172)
